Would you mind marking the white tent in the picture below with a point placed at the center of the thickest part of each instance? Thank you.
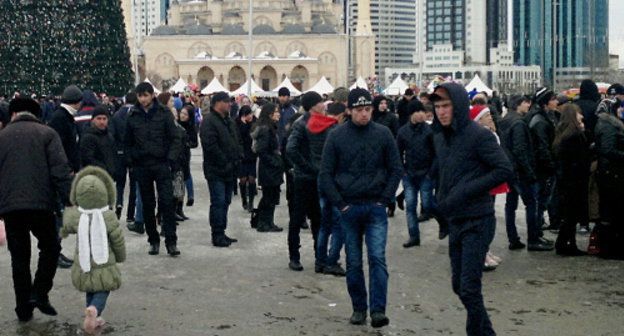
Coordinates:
(178, 86)
(477, 83)
(287, 84)
(214, 86)
(255, 89)
(155, 89)
(322, 87)
(360, 82)
(397, 87)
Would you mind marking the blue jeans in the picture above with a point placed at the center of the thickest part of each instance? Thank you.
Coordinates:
(468, 244)
(220, 199)
(190, 192)
(527, 193)
(97, 299)
(426, 194)
(139, 206)
(330, 226)
(543, 193)
(368, 221)
(411, 185)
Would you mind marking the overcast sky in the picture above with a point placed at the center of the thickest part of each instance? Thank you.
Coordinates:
(616, 29)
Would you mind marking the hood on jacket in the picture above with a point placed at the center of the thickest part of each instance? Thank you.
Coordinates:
(461, 107)
(89, 99)
(377, 100)
(320, 122)
(589, 90)
(93, 188)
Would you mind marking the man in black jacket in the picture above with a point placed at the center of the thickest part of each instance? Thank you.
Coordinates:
(118, 128)
(360, 172)
(542, 125)
(222, 156)
(518, 144)
(33, 171)
(402, 111)
(588, 102)
(306, 201)
(415, 143)
(152, 145)
(97, 147)
(470, 163)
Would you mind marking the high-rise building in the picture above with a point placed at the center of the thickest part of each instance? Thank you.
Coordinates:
(568, 39)
(394, 26)
(146, 15)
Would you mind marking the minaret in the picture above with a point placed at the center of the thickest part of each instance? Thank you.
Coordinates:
(364, 42)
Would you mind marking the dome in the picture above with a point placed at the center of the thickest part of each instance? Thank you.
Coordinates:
(198, 30)
(324, 29)
(164, 30)
(233, 30)
(263, 29)
(293, 29)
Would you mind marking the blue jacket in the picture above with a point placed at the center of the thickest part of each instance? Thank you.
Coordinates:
(470, 162)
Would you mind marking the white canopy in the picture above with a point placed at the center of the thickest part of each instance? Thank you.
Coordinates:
(397, 87)
(603, 85)
(255, 89)
(156, 91)
(178, 86)
(214, 86)
(287, 84)
(477, 83)
(360, 82)
(322, 87)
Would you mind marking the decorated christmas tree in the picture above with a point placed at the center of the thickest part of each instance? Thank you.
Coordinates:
(46, 45)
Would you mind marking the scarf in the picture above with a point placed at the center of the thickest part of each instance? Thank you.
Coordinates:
(92, 238)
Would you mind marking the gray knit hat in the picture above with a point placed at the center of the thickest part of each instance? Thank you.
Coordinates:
(71, 95)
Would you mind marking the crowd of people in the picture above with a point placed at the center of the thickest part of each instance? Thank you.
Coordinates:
(341, 158)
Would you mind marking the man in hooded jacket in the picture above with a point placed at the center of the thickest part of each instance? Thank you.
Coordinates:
(470, 164)
(588, 102)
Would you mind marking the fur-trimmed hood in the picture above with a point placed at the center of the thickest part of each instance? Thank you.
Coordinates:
(93, 188)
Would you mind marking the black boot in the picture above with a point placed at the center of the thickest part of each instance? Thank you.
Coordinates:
(252, 193)
(178, 215)
(243, 192)
(181, 210)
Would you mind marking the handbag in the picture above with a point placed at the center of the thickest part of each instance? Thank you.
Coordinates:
(179, 187)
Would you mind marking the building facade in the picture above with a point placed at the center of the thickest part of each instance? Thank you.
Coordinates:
(393, 23)
(300, 40)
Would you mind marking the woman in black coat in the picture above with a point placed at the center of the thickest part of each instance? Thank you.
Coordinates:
(270, 166)
(571, 150)
(247, 173)
(187, 121)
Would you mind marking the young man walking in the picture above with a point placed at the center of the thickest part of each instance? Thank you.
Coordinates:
(470, 163)
(360, 172)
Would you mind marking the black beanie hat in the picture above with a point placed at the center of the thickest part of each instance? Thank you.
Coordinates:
(359, 97)
(415, 105)
(24, 105)
(283, 91)
(543, 95)
(310, 99)
(100, 110)
(71, 95)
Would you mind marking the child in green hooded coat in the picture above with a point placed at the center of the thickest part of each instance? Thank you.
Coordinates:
(100, 240)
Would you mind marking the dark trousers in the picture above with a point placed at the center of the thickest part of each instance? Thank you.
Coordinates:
(306, 203)
(220, 199)
(161, 175)
(266, 207)
(19, 225)
(468, 244)
(525, 191)
(124, 170)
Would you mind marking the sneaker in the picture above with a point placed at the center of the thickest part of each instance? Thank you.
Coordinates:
(517, 245)
(221, 241)
(496, 259)
(319, 268)
(154, 249)
(358, 317)
(295, 266)
(488, 268)
(379, 319)
(411, 242)
(136, 227)
(335, 270)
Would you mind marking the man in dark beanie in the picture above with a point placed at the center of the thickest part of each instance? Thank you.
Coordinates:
(223, 154)
(97, 146)
(402, 111)
(64, 124)
(152, 145)
(28, 199)
(306, 201)
(287, 110)
(470, 163)
(589, 98)
(542, 125)
(360, 172)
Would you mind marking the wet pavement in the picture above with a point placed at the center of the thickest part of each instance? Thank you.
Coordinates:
(247, 289)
